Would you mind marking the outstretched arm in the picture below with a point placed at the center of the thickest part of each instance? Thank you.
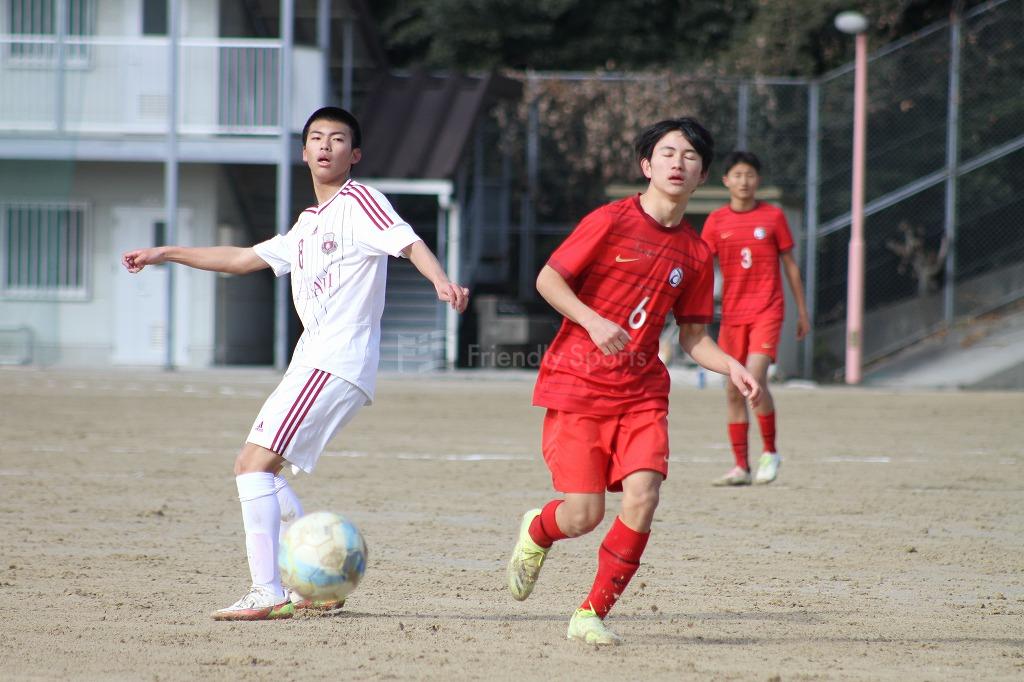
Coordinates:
(702, 348)
(425, 261)
(796, 285)
(606, 335)
(234, 260)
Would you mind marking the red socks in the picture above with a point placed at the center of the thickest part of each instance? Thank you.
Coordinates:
(544, 530)
(767, 423)
(617, 561)
(738, 438)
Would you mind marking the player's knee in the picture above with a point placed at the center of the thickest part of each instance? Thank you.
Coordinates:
(733, 395)
(642, 502)
(581, 520)
(252, 458)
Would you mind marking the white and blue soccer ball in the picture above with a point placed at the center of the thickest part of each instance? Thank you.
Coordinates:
(322, 556)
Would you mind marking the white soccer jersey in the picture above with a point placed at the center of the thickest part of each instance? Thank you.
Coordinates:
(337, 255)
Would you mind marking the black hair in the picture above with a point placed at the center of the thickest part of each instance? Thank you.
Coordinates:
(693, 131)
(740, 156)
(337, 115)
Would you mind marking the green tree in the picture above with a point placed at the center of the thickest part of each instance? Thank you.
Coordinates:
(556, 34)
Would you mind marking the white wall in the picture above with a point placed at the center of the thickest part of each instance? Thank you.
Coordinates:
(82, 332)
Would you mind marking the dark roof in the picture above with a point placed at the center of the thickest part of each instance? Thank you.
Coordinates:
(418, 125)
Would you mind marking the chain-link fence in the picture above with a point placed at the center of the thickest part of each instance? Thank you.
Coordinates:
(943, 205)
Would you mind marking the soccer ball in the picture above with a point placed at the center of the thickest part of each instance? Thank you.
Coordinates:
(322, 556)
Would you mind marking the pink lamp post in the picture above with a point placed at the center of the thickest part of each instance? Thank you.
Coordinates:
(856, 24)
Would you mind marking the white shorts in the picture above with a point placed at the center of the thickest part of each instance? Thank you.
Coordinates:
(303, 413)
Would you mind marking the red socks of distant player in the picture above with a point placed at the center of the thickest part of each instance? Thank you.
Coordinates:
(617, 561)
(767, 423)
(738, 438)
(544, 529)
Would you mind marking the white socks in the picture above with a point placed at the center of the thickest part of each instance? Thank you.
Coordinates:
(261, 517)
(291, 508)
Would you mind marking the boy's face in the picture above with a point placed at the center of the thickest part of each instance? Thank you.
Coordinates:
(742, 180)
(674, 167)
(328, 151)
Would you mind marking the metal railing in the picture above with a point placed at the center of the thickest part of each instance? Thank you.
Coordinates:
(119, 85)
(944, 200)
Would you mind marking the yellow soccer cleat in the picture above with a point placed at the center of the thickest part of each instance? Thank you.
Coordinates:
(527, 558)
(768, 467)
(586, 626)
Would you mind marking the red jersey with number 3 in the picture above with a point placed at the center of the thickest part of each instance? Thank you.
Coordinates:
(748, 245)
(629, 269)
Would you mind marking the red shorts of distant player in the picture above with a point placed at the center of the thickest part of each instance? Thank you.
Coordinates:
(741, 340)
(591, 453)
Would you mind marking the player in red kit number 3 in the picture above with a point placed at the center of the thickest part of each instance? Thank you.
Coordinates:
(623, 269)
(750, 237)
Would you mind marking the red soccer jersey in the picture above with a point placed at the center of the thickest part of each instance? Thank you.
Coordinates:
(748, 245)
(632, 271)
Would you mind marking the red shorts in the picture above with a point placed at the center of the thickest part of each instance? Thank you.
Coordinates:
(741, 340)
(591, 453)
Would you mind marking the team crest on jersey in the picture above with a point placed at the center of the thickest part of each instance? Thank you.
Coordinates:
(675, 278)
(759, 233)
(329, 245)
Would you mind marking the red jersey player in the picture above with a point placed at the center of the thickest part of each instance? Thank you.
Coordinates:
(749, 237)
(615, 278)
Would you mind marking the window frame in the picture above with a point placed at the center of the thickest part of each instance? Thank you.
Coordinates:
(41, 47)
(82, 291)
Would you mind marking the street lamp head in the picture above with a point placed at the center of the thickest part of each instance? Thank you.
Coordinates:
(851, 22)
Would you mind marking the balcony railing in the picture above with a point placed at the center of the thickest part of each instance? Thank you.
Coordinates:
(120, 85)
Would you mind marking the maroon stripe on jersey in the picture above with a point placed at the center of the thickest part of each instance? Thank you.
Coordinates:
(373, 203)
(373, 219)
(295, 408)
(371, 207)
(341, 190)
(309, 405)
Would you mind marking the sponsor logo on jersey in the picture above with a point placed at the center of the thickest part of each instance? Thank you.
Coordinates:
(620, 259)
(259, 427)
(726, 235)
(675, 278)
(759, 233)
(329, 245)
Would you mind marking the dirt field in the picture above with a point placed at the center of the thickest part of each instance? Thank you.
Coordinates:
(890, 548)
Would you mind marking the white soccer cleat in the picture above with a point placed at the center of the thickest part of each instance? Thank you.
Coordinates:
(768, 467)
(735, 476)
(259, 603)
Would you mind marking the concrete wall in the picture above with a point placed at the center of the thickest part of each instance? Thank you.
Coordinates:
(894, 327)
(83, 332)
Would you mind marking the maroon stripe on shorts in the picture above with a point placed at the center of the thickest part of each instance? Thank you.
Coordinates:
(309, 405)
(293, 412)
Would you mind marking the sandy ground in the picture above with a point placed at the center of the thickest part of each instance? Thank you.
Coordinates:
(890, 548)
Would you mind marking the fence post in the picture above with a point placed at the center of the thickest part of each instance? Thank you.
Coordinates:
(742, 115)
(61, 25)
(528, 214)
(952, 160)
(284, 176)
(811, 221)
(171, 170)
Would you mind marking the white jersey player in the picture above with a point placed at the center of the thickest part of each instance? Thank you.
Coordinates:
(336, 254)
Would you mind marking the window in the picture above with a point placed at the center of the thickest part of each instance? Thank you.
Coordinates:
(36, 21)
(154, 17)
(45, 250)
